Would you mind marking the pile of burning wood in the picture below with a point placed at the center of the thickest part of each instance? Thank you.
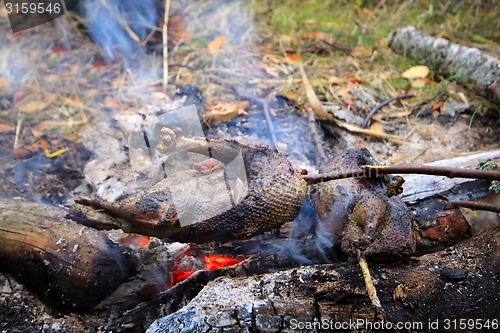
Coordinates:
(270, 283)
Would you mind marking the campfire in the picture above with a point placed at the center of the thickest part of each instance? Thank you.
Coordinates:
(169, 166)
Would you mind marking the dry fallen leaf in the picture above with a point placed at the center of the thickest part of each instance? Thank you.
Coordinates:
(416, 72)
(216, 44)
(50, 98)
(334, 80)
(360, 52)
(73, 101)
(353, 79)
(345, 93)
(42, 127)
(4, 82)
(293, 57)
(111, 102)
(418, 83)
(20, 153)
(219, 112)
(313, 99)
(437, 106)
(33, 107)
(6, 128)
(377, 128)
(177, 30)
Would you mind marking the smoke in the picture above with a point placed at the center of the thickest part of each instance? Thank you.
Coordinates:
(120, 28)
(114, 24)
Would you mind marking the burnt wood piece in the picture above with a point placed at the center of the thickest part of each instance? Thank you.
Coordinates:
(71, 266)
(274, 196)
(412, 292)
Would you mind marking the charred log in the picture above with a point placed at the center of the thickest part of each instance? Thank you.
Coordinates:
(71, 266)
(418, 292)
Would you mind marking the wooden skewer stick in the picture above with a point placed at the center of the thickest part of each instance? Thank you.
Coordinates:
(370, 287)
(476, 205)
(370, 171)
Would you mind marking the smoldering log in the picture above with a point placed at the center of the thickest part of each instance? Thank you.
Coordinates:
(465, 63)
(71, 266)
(462, 283)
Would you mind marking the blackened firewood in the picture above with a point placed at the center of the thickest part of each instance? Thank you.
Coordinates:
(71, 266)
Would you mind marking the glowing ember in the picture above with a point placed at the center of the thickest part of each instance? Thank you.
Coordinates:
(134, 240)
(209, 262)
(179, 276)
(213, 262)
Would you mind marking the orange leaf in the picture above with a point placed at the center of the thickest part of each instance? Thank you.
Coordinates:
(345, 93)
(20, 153)
(216, 44)
(4, 82)
(6, 128)
(224, 111)
(353, 79)
(293, 57)
(73, 101)
(42, 127)
(377, 127)
(360, 52)
(110, 102)
(177, 31)
(437, 106)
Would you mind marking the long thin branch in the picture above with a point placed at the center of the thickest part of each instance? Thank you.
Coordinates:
(476, 205)
(381, 105)
(165, 45)
(315, 136)
(370, 171)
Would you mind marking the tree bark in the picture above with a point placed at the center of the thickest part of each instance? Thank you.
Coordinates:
(464, 63)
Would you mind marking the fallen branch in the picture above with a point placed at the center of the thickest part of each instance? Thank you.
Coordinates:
(381, 105)
(463, 63)
(315, 136)
(165, 45)
(371, 171)
(380, 135)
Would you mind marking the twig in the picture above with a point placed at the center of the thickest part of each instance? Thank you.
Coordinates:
(264, 103)
(370, 287)
(269, 121)
(381, 105)
(380, 135)
(313, 99)
(315, 137)
(20, 118)
(476, 205)
(165, 45)
(370, 171)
